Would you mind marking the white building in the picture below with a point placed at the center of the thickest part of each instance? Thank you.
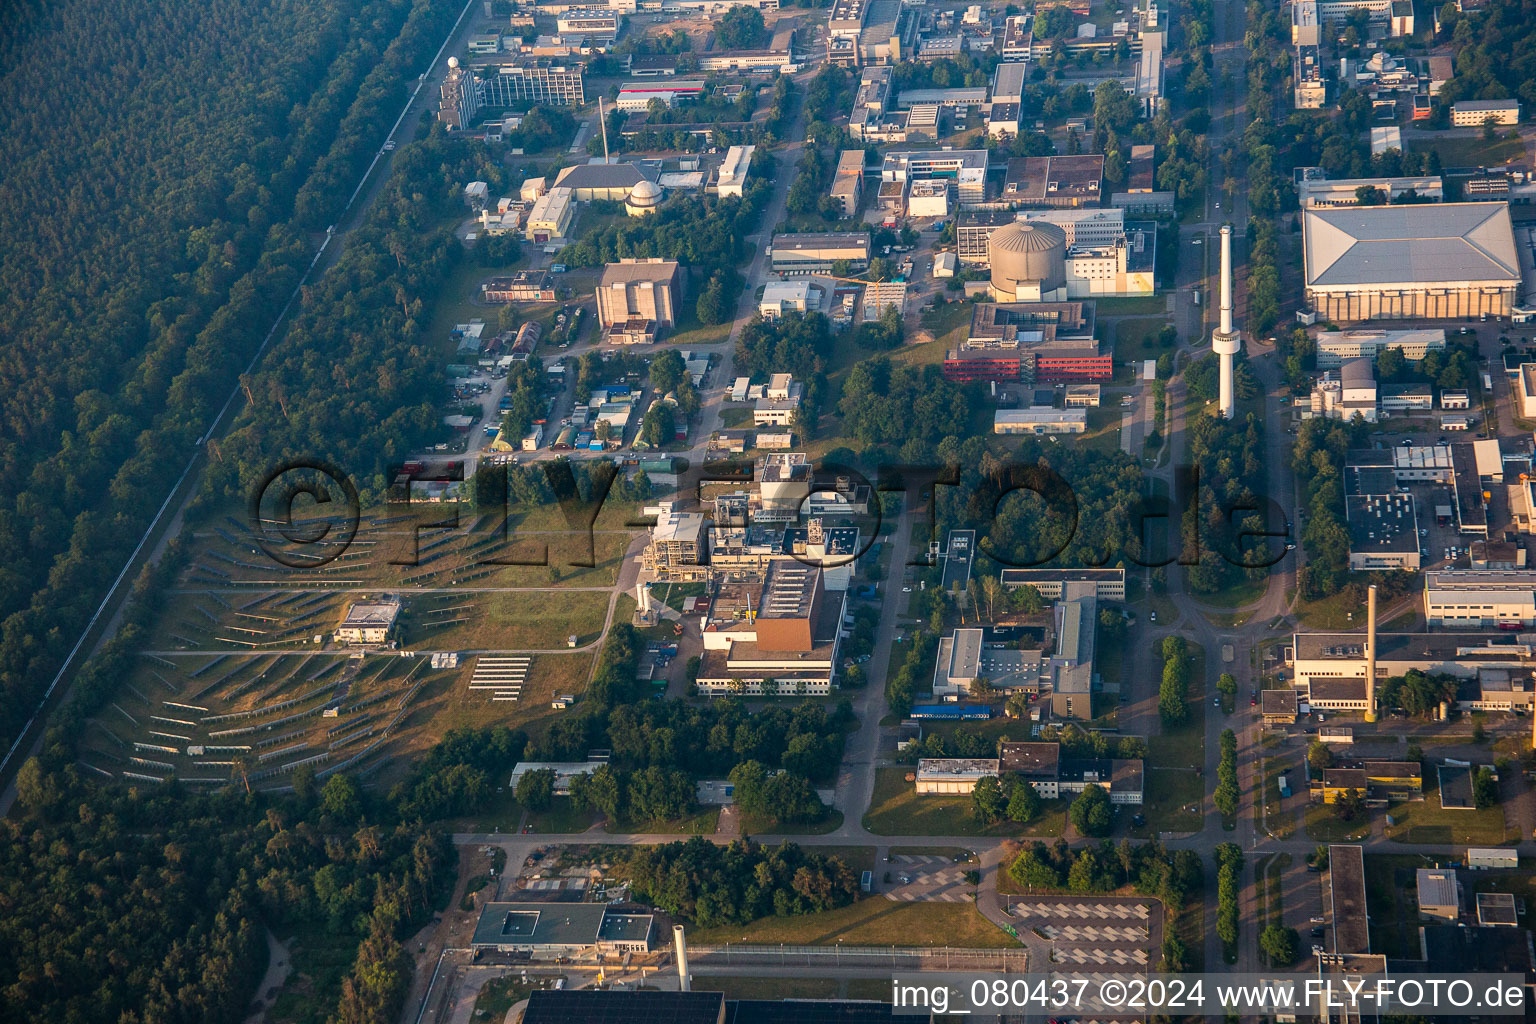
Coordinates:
(733, 171)
(1347, 393)
(549, 219)
(780, 297)
(928, 199)
(1040, 421)
(953, 776)
(1334, 348)
(1475, 113)
(1480, 598)
(369, 622)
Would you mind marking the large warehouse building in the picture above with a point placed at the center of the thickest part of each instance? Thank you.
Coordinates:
(1429, 261)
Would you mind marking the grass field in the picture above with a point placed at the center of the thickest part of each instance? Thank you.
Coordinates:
(1324, 825)
(1468, 151)
(1425, 821)
(700, 824)
(897, 810)
(872, 921)
(515, 621)
(742, 987)
(1389, 888)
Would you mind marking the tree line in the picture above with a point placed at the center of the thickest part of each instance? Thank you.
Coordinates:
(736, 884)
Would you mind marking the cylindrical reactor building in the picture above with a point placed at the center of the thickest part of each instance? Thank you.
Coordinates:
(1029, 262)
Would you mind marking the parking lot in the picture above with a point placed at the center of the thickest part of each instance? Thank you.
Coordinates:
(928, 878)
(1088, 931)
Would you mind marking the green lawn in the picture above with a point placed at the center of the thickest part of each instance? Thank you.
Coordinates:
(561, 817)
(751, 826)
(1323, 824)
(1389, 888)
(1467, 152)
(897, 810)
(505, 992)
(1168, 792)
(1425, 821)
(1148, 305)
(741, 987)
(1136, 338)
(872, 921)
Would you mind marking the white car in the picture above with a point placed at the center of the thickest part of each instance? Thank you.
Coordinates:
(906, 590)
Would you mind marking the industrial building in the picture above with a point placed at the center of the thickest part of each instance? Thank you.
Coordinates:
(1346, 900)
(1030, 342)
(562, 929)
(640, 1006)
(550, 217)
(953, 776)
(966, 168)
(1347, 392)
(1480, 599)
(817, 252)
(1439, 894)
(1383, 532)
(520, 286)
(776, 635)
(1048, 256)
(964, 656)
(1418, 261)
(1326, 193)
(1037, 421)
(678, 550)
(780, 297)
(638, 289)
(611, 181)
(733, 170)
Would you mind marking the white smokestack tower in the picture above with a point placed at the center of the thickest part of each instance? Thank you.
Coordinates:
(1226, 342)
(1370, 654)
(681, 945)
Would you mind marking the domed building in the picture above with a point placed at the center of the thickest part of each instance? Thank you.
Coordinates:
(1029, 262)
(644, 198)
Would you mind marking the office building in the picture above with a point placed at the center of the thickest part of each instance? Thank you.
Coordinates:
(967, 168)
(1039, 342)
(466, 92)
(1067, 182)
(1334, 348)
(1109, 584)
(1347, 392)
(1476, 113)
(848, 180)
(1323, 192)
(965, 656)
(1425, 261)
(1480, 599)
(780, 297)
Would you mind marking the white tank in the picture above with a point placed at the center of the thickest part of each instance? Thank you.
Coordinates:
(1027, 256)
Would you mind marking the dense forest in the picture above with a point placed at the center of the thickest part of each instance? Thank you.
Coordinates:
(149, 906)
(159, 184)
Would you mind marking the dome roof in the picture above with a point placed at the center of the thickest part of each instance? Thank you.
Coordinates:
(1026, 258)
(1021, 236)
(645, 193)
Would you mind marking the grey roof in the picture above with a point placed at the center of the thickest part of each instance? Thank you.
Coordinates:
(539, 924)
(1431, 242)
(601, 176)
(1437, 887)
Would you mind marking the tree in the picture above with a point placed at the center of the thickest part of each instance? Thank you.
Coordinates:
(1024, 805)
(1280, 944)
(1350, 805)
(712, 307)
(1090, 813)
(1026, 600)
(667, 371)
(741, 28)
(1485, 788)
(1319, 756)
(1226, 684)
(341, 799)
(987, 800)
(536, 789)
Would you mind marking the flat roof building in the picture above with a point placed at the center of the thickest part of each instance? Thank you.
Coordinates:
(1417, 261)
(1497, 910)
(1055, 181)
(1109, 584)
(1476, 113)
(964, 656)
(1346, 900)
(562, 929)
(815, 253)
(1439, 894)
(1334, 348)
(953, 776)
(645, 289)
(1040, 421)
(369, 622)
